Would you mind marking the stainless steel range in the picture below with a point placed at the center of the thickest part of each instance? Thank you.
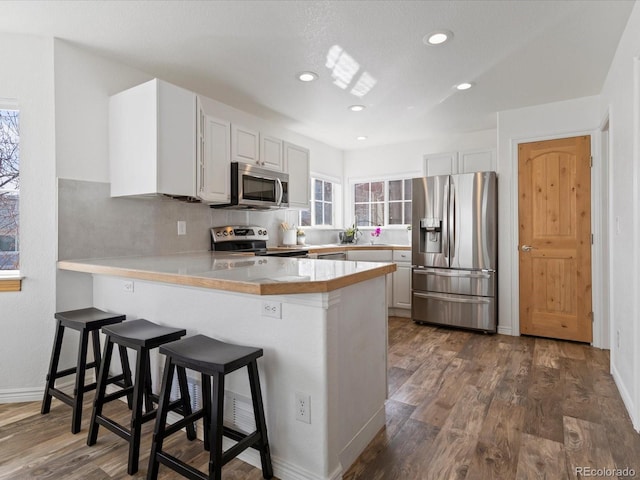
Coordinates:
(249, 239)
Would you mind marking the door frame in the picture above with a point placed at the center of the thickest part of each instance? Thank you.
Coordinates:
(601, 318)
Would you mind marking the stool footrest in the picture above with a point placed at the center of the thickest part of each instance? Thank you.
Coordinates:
(248, 441)
(115, 395)
(183, 422)
(114, 427)
(181, 467)
(63, 397)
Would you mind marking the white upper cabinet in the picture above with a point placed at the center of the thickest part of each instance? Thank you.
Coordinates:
(477, 161)
(441, 164)
(271, 153)
(214, 158)
(460, 162)
(245, 145)
(152, 140)
(296, 163)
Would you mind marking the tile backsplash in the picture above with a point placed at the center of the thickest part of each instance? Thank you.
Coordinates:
(91, 224)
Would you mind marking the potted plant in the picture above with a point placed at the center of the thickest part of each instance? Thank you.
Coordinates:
(300, 236)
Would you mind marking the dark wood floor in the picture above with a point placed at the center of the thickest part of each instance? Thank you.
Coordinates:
(461, 406)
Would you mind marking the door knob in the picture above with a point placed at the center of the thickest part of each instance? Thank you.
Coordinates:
(527, 248)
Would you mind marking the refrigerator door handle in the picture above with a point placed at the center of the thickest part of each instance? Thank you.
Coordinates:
(452, 222)
(427, 271)
(445, 224)
(453, 298)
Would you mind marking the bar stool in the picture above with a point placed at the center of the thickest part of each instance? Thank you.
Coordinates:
(213, 359)
(142, 336)
(85, 321)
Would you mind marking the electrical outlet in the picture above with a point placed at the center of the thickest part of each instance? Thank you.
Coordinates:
(303, 407)
(127, 286)
(182, 227)
(272, 309)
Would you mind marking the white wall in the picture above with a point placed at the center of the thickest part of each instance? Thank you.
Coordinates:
(27, 316)
(620, 99)
(405, 160)
(409, 156)
(554, 120)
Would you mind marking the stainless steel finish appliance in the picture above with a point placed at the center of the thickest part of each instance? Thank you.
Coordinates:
(256, 188)
(248, 239)
(454, 250)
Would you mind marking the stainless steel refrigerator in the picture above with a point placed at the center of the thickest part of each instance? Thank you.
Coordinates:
(454, 251)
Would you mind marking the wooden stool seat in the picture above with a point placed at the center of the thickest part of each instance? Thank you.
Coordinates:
(213, 359)
(142, 336)
(86, 321)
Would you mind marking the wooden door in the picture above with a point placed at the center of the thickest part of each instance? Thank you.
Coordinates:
(554, 216)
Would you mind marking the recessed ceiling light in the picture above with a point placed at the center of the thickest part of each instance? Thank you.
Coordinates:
(438, 38)
(361, 137)
(357, 108)
(307, 76)
(464, 85)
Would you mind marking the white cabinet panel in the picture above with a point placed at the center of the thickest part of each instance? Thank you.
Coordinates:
(152, 140)
(245, 145)
(477, 161)
(374, 255)
(370, 255)
(296, 163)
(460, 162)
(271, 154)
(402, 286)
(441, 164)
(214, 159)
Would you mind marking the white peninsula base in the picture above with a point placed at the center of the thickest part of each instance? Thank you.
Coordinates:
(330, 346)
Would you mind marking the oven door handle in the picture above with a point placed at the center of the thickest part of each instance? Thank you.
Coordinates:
(281, 191)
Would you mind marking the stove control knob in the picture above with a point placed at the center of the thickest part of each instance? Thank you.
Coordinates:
(225, 233)
(218, 234)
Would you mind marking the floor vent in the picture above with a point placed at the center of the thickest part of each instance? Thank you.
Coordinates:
(238, 409)
(238, 412)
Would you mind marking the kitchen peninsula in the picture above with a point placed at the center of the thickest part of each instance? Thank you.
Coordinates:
(322, 325)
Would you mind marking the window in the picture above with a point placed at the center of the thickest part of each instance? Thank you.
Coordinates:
(384, 202)
(9, 189)
(323, 204)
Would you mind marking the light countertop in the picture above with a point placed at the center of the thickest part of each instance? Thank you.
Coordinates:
(237, 272)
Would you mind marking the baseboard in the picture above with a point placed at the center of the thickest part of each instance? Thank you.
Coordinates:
(281, 469)
(16, 395)
(31, 394)
(399, 312)
(360, 441)
(504, 330)
(627, 399)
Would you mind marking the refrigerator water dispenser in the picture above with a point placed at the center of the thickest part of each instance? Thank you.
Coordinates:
(431, 235)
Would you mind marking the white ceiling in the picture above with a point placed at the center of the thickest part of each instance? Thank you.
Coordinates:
(246, 54)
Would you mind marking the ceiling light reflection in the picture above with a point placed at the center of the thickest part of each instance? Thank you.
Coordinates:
(344, 70)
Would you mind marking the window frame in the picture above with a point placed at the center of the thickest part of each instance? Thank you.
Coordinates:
(336, 202)
(379, 178)
(11, 280)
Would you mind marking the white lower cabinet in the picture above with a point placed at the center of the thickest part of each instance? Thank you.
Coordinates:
(402, 279)
(399, 282)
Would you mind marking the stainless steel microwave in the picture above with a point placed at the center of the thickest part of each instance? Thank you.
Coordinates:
(257, 188)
